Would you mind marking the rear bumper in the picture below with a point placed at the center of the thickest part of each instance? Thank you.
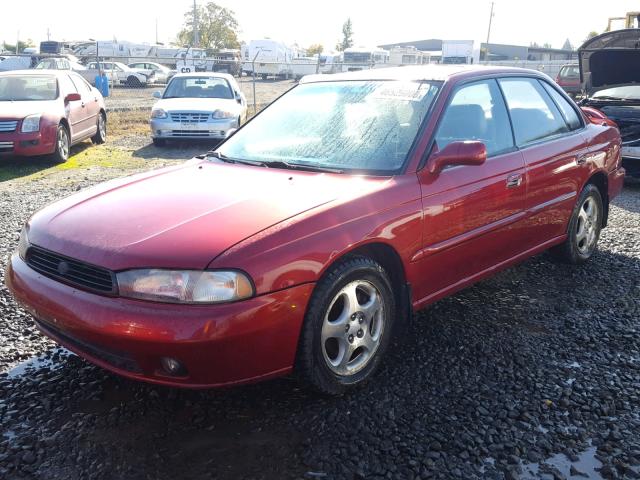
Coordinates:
(28, 144)
(219, 345)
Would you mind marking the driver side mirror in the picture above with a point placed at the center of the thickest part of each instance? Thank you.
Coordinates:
(72, 97)
(457, 153)
(238, 98)
(157, 94)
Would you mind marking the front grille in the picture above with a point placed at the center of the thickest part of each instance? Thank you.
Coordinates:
(118, 359)
(198, 133)
(70, 271)
(8, 126)
(6, 147)
(190, 117)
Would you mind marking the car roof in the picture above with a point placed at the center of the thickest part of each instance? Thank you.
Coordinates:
(204, 74)
(34, 72)
(420, 72)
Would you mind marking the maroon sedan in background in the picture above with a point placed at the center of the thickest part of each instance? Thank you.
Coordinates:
(313, 232)
(45, 112)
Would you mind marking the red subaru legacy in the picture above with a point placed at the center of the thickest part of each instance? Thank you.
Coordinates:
(308, 237)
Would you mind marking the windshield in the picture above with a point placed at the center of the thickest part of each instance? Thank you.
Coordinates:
(628, 92)
(357, 125)
(32, 87)
(570, 71)
(198, 87)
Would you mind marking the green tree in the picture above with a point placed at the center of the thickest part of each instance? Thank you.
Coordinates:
(217, 28)
(347, 36)
(315, 49)
(11, 47)
(591, 34)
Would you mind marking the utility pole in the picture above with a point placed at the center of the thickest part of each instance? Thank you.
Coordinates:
(48, 34)
(196, 39)
(156, 30)
(486, 52)
(18, 43)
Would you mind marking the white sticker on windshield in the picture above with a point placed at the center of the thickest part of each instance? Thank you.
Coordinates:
(409, 91)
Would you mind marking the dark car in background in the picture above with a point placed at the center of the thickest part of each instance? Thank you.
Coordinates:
(609, 68)
(569, 79)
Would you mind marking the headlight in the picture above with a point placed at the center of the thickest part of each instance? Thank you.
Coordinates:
(218, 114)
(184, 286)
(23, 243)
(158, 113)
(31, 124)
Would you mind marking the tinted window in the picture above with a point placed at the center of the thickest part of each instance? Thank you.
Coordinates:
(477, 112)
(568, 112)
(533, 113)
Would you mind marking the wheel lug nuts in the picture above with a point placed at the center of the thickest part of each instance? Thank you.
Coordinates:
(354, 316)
(346, 328)
(360, 333)
(360, 320)
(350, 338)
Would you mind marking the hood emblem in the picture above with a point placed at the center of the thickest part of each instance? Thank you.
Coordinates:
(63, 268)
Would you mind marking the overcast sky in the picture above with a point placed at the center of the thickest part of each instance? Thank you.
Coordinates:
(304, 22)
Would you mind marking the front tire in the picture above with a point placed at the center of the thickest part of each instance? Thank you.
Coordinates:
(63, 145)
(348, 326)
(584, 228)
(159, 142)
(101, 132)
(134, 82)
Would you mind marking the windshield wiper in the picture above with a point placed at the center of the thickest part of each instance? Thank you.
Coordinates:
(299, 166)
(226, 159)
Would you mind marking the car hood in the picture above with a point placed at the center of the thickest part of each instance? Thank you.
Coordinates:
(195, 104)
(181, 217)
(19, 110)
(610, 60)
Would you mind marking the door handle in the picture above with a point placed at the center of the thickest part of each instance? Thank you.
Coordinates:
(82, 104)
(514, 181)
(581, 159)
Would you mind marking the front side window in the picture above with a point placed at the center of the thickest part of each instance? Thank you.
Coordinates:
(476, 112)
(350, 125)
(533, 113)
(31, 87)
(198, 87)
(568, 112)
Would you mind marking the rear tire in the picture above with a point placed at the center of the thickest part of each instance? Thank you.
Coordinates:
(159, 142)
(584, 228)
(63, 145)
(101, 133)
(348, 326)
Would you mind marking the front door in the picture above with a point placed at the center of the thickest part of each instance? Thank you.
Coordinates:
(471, 213)
(75, 110)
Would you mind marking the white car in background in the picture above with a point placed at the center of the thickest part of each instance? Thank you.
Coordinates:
(203, 105)
(59, 63)
(121, 74)
(155, 72)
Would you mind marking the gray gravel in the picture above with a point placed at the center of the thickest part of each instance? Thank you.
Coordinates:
(534, 373)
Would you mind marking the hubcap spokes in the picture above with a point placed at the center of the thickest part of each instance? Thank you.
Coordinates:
(63, 144)
(587, 226)
(102, 126)
(352, 327)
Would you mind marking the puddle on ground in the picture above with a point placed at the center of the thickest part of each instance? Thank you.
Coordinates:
(587, 464)
(46, 360)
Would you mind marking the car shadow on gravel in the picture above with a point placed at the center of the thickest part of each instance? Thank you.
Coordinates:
(176, 149)
(542, 359)
(12, 167)
(632, 186)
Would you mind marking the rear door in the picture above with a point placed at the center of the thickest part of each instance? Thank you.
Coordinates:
(555, 153)
(471, 213)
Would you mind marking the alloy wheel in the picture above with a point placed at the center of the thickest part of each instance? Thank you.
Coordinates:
(587, 226)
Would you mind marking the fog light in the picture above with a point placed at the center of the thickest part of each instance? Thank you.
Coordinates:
(172, 366)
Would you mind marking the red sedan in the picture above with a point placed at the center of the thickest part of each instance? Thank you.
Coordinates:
(310, 235)
(45, 112)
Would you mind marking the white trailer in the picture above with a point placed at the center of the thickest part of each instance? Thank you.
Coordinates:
(268, 57)
(362, 58)
(457, 51)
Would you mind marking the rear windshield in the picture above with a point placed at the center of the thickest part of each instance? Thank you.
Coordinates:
(32, 87)
(570, 71)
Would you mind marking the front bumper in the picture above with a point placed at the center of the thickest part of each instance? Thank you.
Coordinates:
(28, 144)
(219, 345)
(166, 128)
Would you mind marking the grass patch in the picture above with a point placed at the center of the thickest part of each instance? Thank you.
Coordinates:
(126, 123)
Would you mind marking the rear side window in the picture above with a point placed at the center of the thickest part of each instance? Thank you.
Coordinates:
(568, 112)
(570, 71)
(476, 112)
(534, 115)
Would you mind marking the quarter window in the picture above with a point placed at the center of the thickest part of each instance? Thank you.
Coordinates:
(568, 112)
(477, 112)
(533, 113)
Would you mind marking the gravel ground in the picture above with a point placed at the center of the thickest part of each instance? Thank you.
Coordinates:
(534, 373)
(123, 98)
